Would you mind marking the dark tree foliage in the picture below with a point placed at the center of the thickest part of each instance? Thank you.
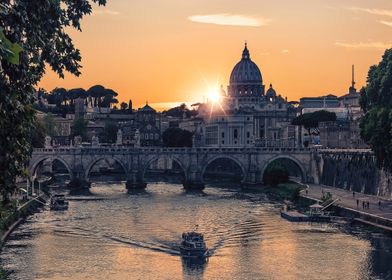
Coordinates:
(376, 102)
(177, 137)
(180, 111)
(123, 106)
(38, 136)
(110, 132)
(80, 128)
(275, 174)
(312, 120)
(32, 35)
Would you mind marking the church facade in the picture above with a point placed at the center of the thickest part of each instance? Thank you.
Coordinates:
(247, 114)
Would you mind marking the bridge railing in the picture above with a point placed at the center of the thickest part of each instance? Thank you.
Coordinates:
(126, 149)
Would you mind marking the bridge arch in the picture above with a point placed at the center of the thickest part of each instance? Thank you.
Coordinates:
(93, 162)
(33, 167)
(157, 157)
(217, 157)
(287, 157)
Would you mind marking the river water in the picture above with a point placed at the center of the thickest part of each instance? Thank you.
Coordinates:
(111, 234)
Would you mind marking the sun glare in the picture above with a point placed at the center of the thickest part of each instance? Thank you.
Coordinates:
(214, 95)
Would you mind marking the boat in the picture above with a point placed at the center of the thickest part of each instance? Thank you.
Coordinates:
(193, 245)
(58, 202)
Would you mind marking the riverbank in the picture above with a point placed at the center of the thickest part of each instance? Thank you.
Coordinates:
(12, 216)
(354, 206)
(285, 191)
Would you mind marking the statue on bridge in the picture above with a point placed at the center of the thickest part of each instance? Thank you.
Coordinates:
(78, 141)
(119, 140)
(137, 138)
(95, 141)
(48, 142)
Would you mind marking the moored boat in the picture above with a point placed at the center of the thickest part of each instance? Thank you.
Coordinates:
(193, 245)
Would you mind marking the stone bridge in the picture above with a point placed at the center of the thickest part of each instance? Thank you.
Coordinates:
(193, 161)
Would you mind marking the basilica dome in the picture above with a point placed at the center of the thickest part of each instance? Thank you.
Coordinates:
(246, 71)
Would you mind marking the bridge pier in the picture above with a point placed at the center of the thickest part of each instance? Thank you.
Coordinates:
(193, 181)
(193, 185)
(135, 181)
(79, 183)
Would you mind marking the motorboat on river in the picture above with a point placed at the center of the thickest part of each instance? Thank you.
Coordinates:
(58, 202)
(193, 245)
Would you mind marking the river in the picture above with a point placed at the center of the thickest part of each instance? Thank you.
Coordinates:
(111, 234)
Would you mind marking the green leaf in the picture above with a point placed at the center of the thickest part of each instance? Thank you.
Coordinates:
(10, 51)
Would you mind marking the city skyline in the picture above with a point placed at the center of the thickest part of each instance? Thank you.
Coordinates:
(176, 51)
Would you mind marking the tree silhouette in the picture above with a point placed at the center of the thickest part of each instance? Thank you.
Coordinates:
(376, 102)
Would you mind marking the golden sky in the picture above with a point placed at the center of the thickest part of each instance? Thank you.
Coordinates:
(164, 51)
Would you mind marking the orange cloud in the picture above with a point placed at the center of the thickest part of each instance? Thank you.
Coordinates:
(228, 19)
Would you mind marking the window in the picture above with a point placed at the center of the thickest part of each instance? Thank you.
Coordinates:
(235, 133)
(223, 135)
(212, 135)
(248, 134)
(152, 136)
(146, 136)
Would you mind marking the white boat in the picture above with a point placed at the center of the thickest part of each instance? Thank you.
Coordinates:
(193, 245)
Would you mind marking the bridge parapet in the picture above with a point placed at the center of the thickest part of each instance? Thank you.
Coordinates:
(120, 149)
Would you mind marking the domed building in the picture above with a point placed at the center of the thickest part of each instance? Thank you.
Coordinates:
(247, 115)
(246, 79)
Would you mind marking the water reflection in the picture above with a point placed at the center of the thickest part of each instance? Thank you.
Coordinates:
(109, 234)
(194, 267)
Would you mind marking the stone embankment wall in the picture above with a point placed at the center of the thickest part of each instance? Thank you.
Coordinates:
(356, 172)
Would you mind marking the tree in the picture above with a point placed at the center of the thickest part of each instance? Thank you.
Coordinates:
(376, 102)
(80, 128)
(49, 125)
(76, 93)
(179, 111)
(123, 106)
(275, 174)
(96, 92)
(38, 136)
(177, 137)
(312, 120)
(110, 132)
(33, 34)
(108, 100)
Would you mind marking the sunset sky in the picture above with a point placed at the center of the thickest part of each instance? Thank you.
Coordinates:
(169, 51)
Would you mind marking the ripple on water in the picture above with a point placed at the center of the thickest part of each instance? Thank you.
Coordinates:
(111, 234)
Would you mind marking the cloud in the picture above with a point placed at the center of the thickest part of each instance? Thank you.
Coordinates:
(388, 23)
(285, 51)
(228, 19)
(378, 12)
(106, 12)
(364, 45)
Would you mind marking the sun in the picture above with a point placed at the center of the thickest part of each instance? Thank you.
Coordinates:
(214, 95)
